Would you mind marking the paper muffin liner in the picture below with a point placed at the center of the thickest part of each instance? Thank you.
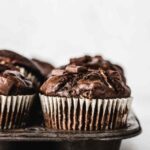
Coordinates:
(85, 114)
(14, 110)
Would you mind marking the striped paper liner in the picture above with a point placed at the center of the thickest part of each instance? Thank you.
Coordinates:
(84, 114)
(14, 110)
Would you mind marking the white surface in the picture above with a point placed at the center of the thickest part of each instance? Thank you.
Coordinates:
(56, 30)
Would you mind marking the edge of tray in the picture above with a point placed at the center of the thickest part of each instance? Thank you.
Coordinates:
(42, 134)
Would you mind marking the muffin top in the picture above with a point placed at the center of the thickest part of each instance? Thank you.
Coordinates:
(44, 67)
(87, 77)
(10, 58)
(13, 83)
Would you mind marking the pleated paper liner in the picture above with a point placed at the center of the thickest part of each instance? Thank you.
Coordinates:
(85, 114)
(14, 110)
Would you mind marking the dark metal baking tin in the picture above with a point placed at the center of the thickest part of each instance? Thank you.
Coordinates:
(71, 140)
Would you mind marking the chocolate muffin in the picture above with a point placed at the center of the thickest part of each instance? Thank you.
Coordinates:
(16, 97)
(44, 67)
(24, 65)
(89, 93)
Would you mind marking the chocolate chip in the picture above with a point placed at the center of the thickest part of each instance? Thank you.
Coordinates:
(80, 60)
(75, 69)
(57, 72)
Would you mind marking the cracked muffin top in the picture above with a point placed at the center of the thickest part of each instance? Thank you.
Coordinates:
(12, 82)
(25, 66)
(87, 77)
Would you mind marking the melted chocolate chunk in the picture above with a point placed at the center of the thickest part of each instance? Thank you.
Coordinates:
(87, 77)
(57, 72)
(13, 83)
(10, 58)
(75, 69)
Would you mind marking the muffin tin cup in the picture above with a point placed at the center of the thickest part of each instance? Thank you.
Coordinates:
(14, 110)
(85, 114)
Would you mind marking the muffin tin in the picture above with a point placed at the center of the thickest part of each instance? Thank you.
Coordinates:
(87, 111)
(65, 140)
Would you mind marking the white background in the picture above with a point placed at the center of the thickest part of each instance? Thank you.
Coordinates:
(55, 30)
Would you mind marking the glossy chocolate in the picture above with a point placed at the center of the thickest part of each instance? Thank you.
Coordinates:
(11, 58)
(13, 83)
(87, 77)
